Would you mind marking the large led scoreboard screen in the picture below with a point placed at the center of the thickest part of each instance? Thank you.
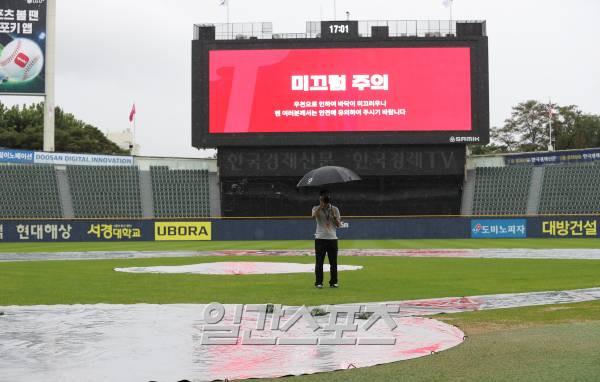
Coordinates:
(339, 95)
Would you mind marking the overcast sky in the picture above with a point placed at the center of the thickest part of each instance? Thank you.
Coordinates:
(111, 53)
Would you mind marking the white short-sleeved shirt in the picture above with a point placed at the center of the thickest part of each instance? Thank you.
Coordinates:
(326, 218)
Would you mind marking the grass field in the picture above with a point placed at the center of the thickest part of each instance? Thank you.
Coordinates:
(504, 345)
(546, 343)
(382, 279)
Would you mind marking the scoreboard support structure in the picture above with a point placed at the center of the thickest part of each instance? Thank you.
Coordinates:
(397, 180)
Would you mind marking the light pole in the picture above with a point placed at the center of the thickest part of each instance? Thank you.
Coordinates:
(49, 99)
(550, 114)
(334, 10)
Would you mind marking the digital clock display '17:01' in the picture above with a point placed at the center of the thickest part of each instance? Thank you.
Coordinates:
(339, 29)
(335, 30)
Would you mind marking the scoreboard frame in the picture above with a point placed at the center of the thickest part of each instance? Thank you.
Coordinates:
(202, 138)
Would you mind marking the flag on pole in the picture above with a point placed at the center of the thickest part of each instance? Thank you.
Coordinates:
(132, 113)
(223, 2)
(448, 3)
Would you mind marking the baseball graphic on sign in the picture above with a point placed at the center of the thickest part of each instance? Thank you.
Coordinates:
(21, 60)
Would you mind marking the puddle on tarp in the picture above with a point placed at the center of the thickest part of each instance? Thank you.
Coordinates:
(578, 254)
(163, 342)
(236, 268)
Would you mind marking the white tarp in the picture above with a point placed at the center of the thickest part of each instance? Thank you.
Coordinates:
(236, 268)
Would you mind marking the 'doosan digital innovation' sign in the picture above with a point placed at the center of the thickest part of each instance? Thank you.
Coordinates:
(340, 90)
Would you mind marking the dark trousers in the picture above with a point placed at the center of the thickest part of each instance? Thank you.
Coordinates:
(330, 248)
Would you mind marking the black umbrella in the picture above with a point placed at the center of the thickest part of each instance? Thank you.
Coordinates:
(327, 175)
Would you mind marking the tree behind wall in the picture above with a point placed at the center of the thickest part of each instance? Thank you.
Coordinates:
(528, 129)
(22, 128)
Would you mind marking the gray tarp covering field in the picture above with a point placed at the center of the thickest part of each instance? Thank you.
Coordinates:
(163, 342)
(582, 254)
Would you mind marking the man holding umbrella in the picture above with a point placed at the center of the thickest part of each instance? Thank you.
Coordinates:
(327, 218)
(328, 221)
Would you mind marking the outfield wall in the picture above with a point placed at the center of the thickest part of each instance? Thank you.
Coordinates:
(452, 227)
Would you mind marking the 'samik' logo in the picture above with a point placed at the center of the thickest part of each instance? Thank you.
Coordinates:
(464, 139)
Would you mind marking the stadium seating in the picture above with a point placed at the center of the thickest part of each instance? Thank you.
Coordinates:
(180, 193)
(102, 192)
(29, 191)
(34, 191)
(570, 189)
(501, 190)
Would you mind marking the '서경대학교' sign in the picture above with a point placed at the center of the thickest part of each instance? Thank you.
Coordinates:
(22, 46)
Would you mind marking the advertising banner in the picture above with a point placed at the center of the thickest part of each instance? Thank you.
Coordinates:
(340, 90)
(555, 157)
(69, 159)
(65, 159)
(22, 46)
(16, 156)
(498, 228)
(75, 230)
(565, 226)
(24, 231)
(182, 231)
(297, 161)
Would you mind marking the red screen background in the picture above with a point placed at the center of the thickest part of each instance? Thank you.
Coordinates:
(432, 86)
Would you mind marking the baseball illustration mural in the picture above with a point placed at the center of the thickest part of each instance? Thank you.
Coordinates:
(22, 46)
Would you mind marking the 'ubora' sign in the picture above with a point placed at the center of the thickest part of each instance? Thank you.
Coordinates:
(182, 231)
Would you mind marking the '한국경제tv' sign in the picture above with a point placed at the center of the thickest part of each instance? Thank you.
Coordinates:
(22, 46)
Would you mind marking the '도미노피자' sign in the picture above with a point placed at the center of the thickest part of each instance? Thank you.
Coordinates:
(498, 228)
